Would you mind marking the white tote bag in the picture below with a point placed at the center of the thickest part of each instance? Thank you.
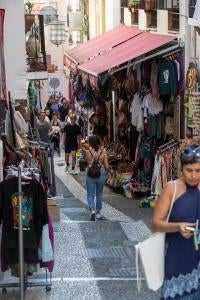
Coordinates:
(151, 254)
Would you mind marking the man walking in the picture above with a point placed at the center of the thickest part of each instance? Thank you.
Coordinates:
(71, 141)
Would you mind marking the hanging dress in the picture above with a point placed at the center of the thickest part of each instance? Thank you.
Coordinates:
(182, 261)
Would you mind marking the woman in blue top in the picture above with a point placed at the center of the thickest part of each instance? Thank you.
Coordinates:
(182, 261)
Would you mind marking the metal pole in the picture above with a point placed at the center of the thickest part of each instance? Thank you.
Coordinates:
(20, 236)
(114, 95)
(11, 119)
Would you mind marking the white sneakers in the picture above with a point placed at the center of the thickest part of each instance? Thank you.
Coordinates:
(73, 172)
(99, 216)
(96, 216)
(70, 171)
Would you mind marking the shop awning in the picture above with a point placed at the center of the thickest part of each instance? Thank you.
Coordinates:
(129, 50)
(101, 44)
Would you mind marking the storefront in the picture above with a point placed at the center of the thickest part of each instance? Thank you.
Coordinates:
(135, 88)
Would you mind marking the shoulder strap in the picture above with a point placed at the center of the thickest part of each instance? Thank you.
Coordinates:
(91, 153)
(172, 201)
(97, 157)
(99, 154)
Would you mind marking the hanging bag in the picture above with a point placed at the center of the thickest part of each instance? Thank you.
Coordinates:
(94, 169)
(151, 253)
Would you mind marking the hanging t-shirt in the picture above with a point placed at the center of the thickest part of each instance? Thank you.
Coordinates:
(168, 79)
(181, 82)
(35, 215)
(134, 109)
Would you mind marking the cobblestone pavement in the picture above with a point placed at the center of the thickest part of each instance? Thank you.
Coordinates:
(93, 260)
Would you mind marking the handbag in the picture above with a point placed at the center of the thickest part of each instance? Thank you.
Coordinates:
(151, 253)
(47, 251)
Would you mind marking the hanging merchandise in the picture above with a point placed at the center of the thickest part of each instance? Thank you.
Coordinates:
(89, 101)
(154, 81)
(168, 78)
(166, 166)
(193, 116)
(191, 77)
(31, 94)
(24, 213)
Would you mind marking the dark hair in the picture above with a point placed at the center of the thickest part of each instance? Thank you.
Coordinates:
(94, 142)
(190, 155)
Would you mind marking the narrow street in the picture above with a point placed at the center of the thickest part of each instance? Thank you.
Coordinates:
(93, 260)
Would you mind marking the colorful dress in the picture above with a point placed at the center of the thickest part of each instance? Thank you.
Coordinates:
(182, 261)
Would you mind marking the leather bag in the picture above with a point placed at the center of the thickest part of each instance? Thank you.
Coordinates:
(151, 253)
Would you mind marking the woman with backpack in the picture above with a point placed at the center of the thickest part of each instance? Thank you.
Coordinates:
(97, 161)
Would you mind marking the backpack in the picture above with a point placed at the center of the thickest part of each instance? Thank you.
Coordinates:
(94, 169)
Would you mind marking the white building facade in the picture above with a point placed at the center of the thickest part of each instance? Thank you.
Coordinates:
(15, 49)
(165, 18)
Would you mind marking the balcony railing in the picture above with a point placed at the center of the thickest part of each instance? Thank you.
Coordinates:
(36, 64)
(155, 4)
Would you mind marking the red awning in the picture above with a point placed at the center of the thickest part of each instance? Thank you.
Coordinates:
(101, 43)
(129, 50)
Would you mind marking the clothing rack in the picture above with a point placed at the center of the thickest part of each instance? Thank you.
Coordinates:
(23, 280)
(172, 52)
(167, 146)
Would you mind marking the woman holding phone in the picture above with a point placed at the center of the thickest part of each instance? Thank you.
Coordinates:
(182, 261)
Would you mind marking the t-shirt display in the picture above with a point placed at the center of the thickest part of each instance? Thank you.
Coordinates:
(35, 215)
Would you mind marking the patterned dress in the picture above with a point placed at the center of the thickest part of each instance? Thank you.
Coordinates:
(182, 261)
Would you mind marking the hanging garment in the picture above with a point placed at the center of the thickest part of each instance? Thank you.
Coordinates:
(168, 79)
(181, 82)
(154, 81)
(35, 215)
(134, 109)
(191, 76)
(161, 179)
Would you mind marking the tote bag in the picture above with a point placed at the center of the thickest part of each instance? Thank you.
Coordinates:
(151, 254)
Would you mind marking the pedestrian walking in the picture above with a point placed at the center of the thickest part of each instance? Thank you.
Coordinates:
(43, 128)
(71, 142)
(182, 261)
(63, 112)
(97, 154)
(55, 132)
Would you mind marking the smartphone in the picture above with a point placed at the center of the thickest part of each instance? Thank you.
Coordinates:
(189, 228)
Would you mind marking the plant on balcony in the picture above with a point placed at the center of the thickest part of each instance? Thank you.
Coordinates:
(133, 5)
(29, 7)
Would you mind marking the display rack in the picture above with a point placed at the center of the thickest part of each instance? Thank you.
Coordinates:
(23, 279)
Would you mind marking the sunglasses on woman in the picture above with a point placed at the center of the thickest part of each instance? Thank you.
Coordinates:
(190, 153)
